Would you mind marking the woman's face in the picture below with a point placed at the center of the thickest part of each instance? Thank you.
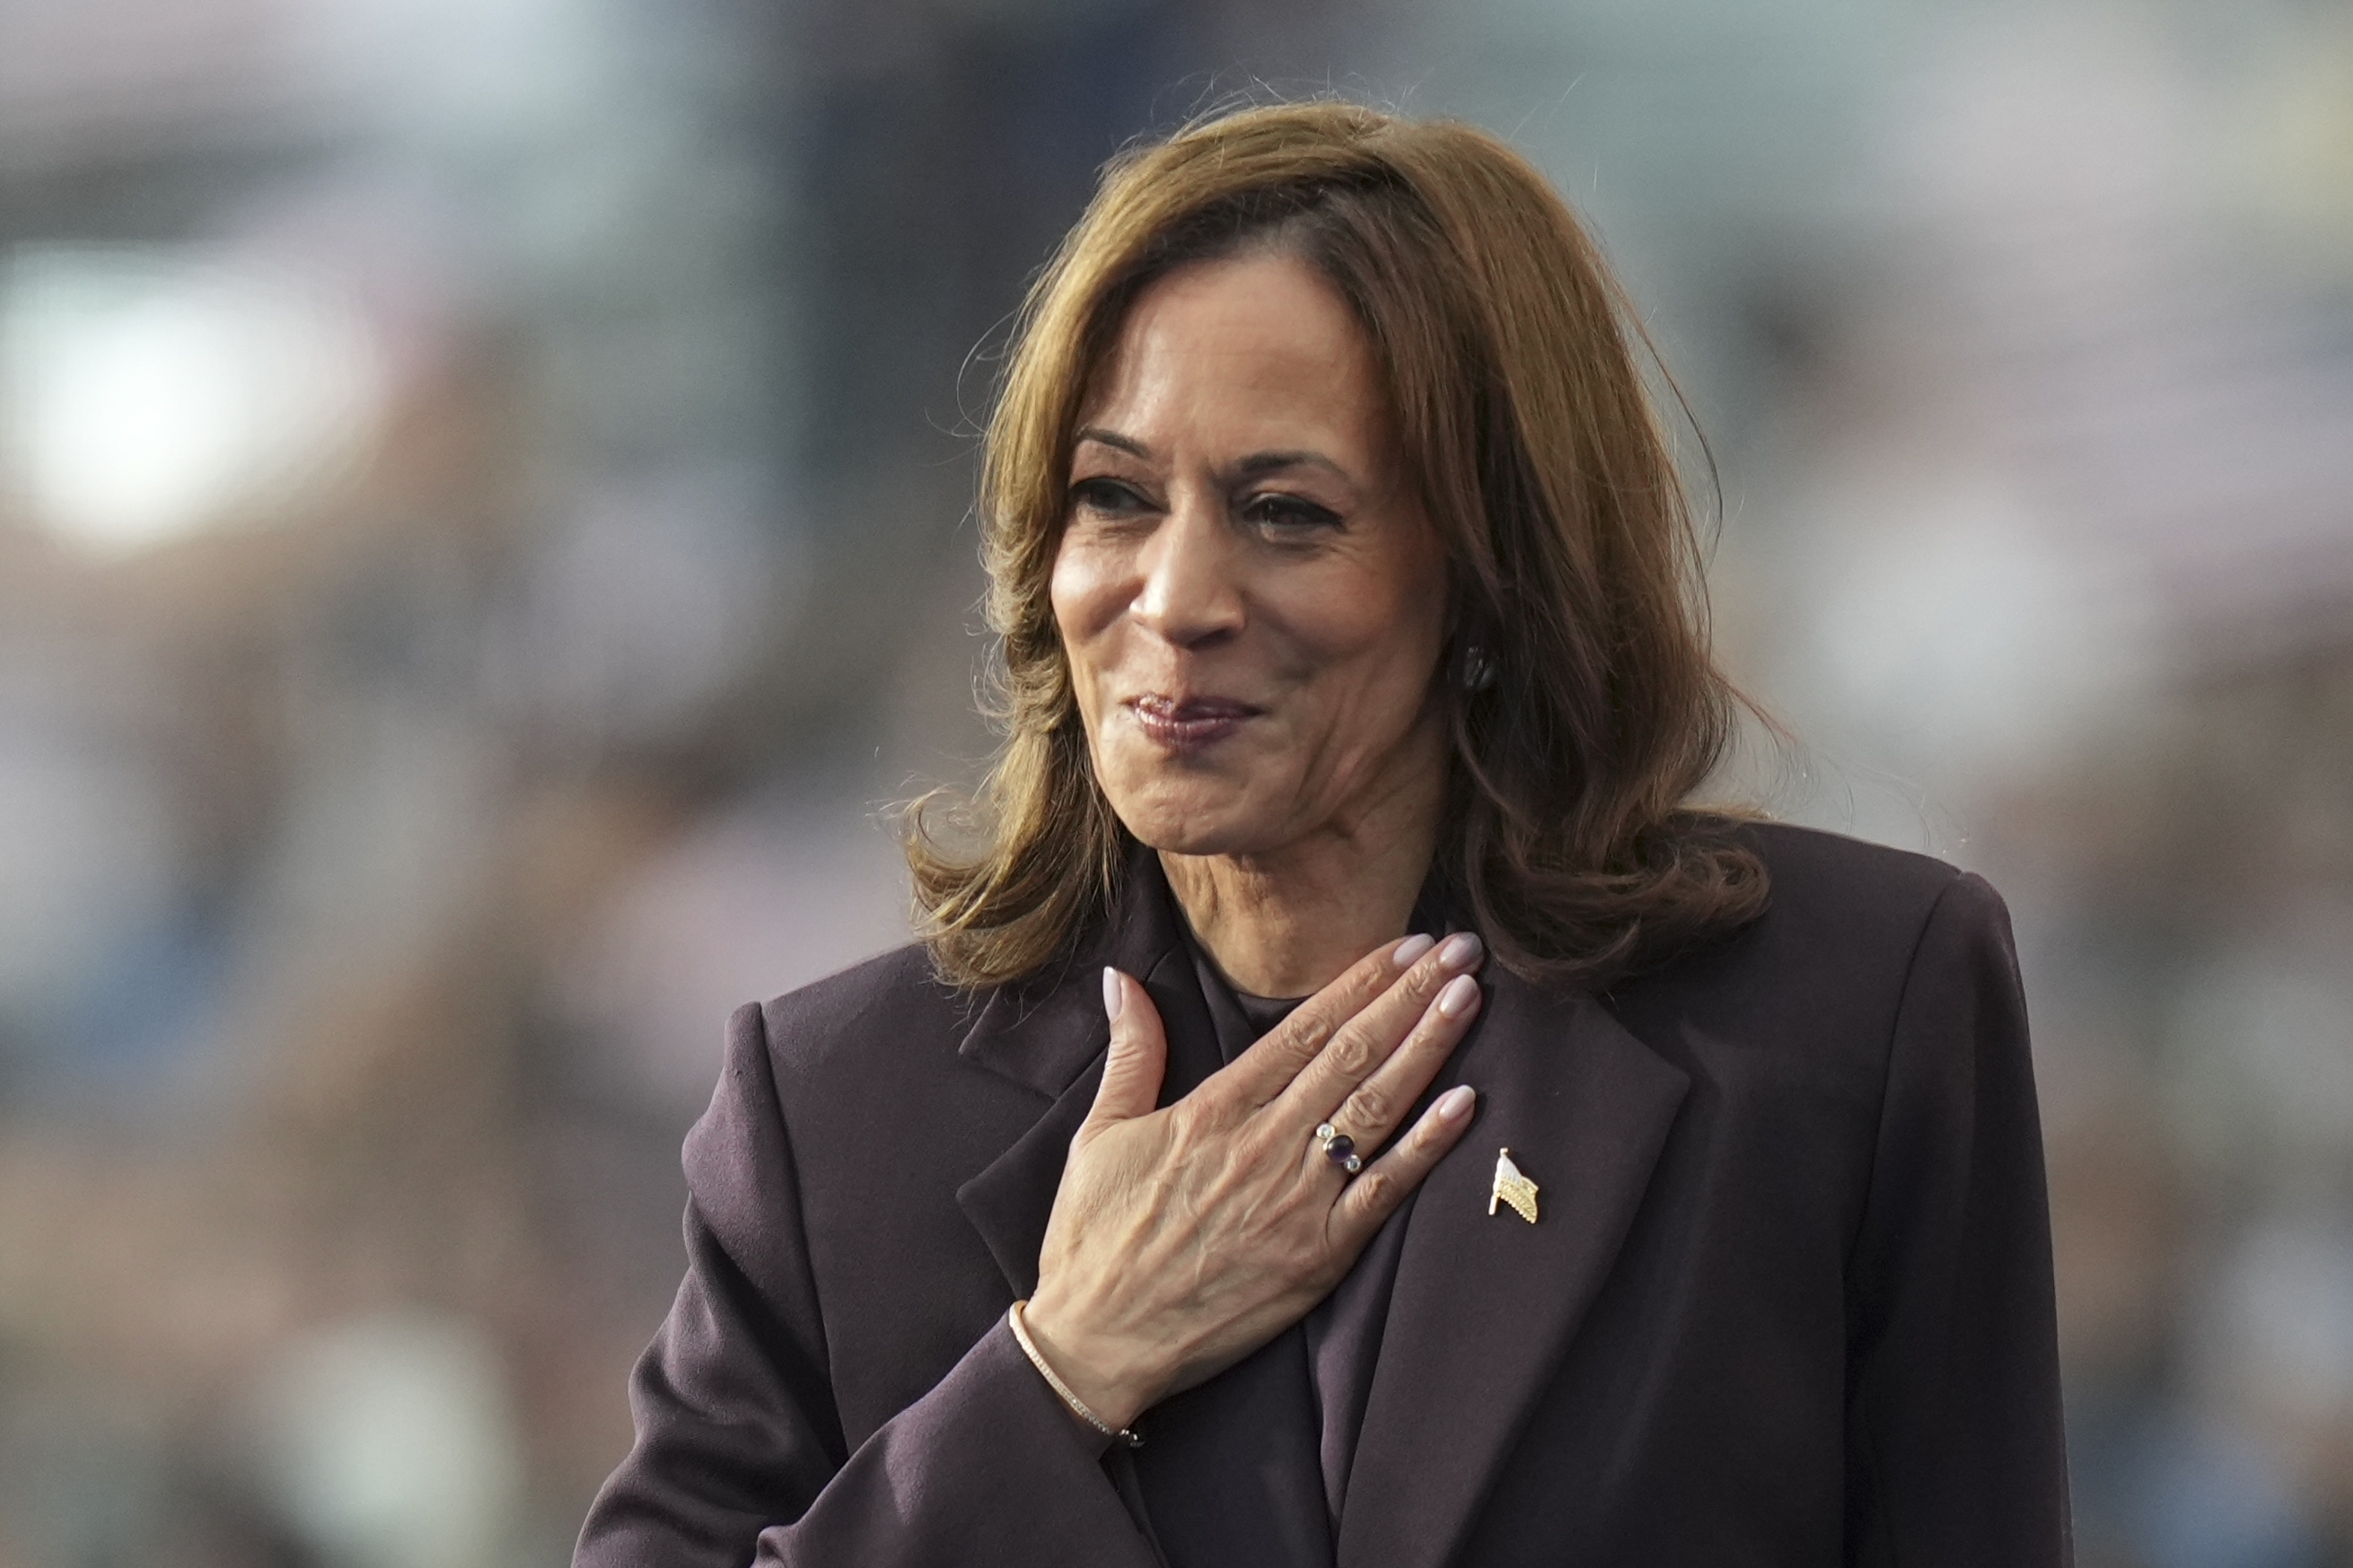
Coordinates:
(1252, 600)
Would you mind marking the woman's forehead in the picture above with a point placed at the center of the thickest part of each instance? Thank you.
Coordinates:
(1259, 351)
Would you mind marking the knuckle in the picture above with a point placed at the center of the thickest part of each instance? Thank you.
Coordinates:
(1375, 1189)
(1369, 1107)
(1186, 1127)
(1351, 1052)
(1428, 1043)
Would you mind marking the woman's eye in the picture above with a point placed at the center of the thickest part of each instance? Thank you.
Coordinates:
(1288, 514)
(1105, 497)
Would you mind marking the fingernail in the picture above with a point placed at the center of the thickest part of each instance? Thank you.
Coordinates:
(1411, 949)
(1462, 994)
(1456, 1103)
(1461, 952)
(1114, 995)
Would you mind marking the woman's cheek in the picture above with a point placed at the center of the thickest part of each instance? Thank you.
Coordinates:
(1067, 595)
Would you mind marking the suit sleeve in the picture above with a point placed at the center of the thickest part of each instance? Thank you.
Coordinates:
(739, 1456)
(1955, 1448)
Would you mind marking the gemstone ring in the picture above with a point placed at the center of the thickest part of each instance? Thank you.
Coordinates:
(1338, 1148)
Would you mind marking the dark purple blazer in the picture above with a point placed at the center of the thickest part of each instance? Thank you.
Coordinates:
(1789, 1302)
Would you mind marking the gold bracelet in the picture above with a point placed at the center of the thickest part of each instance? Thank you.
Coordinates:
(1078, 1406)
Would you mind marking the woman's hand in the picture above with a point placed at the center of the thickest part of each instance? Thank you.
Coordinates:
(1184, 1239)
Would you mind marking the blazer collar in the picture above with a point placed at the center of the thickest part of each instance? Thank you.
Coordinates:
(1044, 1032)
(1051, 1035)
(1484, 1307)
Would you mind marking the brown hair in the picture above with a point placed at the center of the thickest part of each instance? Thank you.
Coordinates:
(1591, 709)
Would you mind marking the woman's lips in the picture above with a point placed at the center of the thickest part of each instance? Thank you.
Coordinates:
(1191, 723)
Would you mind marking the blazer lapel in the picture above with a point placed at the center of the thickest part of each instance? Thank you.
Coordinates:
(1051, 1037)
(1483, 1308)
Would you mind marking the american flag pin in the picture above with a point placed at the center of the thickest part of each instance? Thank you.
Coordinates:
(1512, 1188)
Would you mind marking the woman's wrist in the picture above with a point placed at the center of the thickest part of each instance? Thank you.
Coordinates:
(1112, 1400)
(1117, 1432)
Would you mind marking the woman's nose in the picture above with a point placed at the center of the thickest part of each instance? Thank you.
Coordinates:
(1189, 593)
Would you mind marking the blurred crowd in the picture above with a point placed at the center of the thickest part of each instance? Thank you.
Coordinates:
(484, 542)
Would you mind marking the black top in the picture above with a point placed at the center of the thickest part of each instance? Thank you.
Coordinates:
(1304, 1394)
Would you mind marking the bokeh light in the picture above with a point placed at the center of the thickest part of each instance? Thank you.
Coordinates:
(145, 396)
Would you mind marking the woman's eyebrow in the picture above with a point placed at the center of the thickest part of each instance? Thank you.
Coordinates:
(1261, 463)
(1113, 439)
(1256, 466)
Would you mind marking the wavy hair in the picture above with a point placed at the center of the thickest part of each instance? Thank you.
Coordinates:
(1586, 707)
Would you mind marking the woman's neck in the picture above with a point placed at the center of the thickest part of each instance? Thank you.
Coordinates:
(1290, 922)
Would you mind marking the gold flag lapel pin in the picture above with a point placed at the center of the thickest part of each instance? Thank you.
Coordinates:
(1512, 1188)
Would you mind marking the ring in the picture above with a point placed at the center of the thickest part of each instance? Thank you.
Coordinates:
(1338, 1148)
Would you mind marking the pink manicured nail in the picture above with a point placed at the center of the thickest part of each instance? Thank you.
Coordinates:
(1114, 995)
(1411, 949)
(1461, 950)
(1462, 994)
(1456, 1103)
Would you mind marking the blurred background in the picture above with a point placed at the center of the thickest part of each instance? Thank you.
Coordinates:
(483, 536)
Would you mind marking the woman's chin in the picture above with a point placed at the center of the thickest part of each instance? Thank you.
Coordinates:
(1202, 828)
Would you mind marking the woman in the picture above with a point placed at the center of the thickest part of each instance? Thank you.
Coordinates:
(1631, 1185)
